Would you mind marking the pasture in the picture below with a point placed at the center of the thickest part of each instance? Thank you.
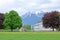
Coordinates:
(29, 35)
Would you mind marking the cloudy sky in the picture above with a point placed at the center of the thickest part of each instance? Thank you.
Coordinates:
(23, 6)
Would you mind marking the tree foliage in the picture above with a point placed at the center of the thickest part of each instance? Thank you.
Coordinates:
(12, 20)
(51, 20)
(59, 21)
(1, 20)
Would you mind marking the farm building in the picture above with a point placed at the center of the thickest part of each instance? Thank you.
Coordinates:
(39, 27)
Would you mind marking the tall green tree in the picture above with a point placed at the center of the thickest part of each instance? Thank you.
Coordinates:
(12, 20)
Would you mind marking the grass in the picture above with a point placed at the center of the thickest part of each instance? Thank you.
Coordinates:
(29, 35)
(8, 30)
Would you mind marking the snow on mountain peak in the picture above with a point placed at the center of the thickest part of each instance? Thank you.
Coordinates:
(35, 12)
(31, 18)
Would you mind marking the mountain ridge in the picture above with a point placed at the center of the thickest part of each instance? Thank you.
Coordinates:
(31, 18)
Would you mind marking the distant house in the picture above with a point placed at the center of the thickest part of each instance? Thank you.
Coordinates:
(39, 27)
(23, 29)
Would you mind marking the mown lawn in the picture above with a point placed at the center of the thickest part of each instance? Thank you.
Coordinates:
(29, 35)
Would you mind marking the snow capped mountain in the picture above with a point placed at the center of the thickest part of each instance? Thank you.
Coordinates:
(33, 17)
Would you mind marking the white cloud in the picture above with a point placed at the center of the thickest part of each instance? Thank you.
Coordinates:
(20, 10)
(31, 4)
(5, 2)
(21, 6)
(53, 3)
(1, 2)
(50, 5)
(22, 0)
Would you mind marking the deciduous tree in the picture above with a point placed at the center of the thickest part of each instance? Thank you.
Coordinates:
(51, 20)
(12, 20)
(1, 20)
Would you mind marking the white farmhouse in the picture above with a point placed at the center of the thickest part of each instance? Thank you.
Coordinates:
(39, 27)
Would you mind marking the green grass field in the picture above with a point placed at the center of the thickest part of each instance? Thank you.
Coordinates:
(29, 35)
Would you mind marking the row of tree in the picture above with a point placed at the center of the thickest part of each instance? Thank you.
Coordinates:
(52, 20)
(10, 20)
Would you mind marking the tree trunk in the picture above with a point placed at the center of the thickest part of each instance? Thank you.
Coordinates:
(11, 29)
(53, 29)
